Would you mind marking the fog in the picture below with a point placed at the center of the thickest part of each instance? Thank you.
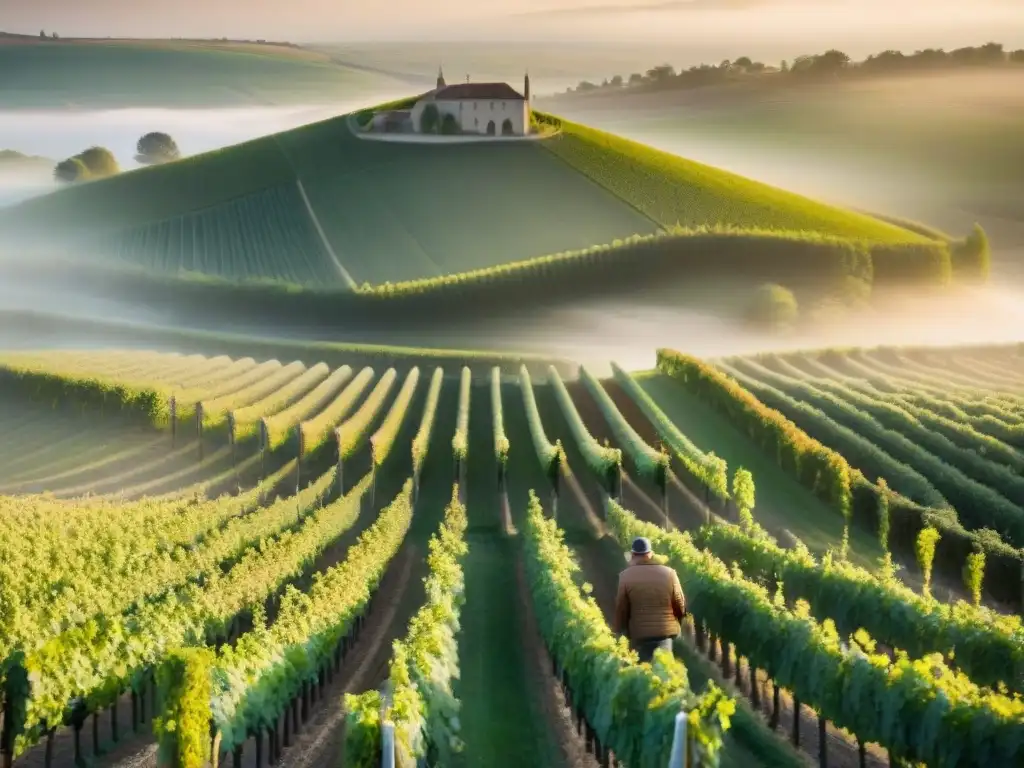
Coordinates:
(58, 134)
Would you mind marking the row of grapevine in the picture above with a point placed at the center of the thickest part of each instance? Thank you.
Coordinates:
(254, 681)
(421, 442)
(708, 468)
(421, 703)
(96, 663)
(160, 546)
(974, 461)
(500, 439)
(978, 505)
(650, 463)
(549, 454)
(604, 462)
(943, 718)
(886, 406)
(277, 428)
(383, 439)
(860, 451)
(245, 421)
(631, 707)
(350, 433)
(215, 411)
(460, 442)
(817, 467)
(989, 646)
(315, 431)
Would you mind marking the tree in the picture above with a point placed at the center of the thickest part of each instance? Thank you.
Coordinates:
(974, 575)
(773, 305)
(70, 170)
(636, 78)
(972, 257)
(743, 495)
(100, 161)
(155, 148)
(449, 125)
(616, 82)
(42, 33)
(429, 119)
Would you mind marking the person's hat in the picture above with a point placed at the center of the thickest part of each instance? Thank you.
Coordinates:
(641, 546)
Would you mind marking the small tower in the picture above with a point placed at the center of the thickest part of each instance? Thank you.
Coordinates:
(526, 87)
(440, 78)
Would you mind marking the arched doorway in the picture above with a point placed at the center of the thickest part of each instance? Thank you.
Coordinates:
(490, 128)
(506, 127)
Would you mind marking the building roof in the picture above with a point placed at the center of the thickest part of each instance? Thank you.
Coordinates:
(476, 92)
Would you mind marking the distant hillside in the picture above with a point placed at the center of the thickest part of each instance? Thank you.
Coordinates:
(175, 73)
(382, 212)
(11, 159)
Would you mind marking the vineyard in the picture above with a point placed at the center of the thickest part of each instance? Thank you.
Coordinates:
(251, 562)
(318, 207)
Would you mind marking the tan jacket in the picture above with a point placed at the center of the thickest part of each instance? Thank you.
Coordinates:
(650, 601)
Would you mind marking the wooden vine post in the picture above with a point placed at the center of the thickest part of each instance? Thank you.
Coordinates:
(199, 428)
(173, 408)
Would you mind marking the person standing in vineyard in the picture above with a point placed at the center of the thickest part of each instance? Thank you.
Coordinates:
(649, 606)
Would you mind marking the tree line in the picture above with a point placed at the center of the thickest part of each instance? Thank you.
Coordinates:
(830, 64)
(99, 162)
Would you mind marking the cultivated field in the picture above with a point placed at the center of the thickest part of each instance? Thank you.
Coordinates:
(58, 74)
(263, 622)
(257, 210)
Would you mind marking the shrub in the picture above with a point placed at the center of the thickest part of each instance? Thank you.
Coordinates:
(429, 119)
(70, 171)
(155, 148)
(972, 257)
(100, 161)
(449, 125)
(773, 306)
(974, 573)
(924, 548)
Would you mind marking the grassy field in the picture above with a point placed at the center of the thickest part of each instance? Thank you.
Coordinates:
(394, 212)
(168, 73)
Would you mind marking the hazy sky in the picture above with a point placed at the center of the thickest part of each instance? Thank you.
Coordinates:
(855, 23)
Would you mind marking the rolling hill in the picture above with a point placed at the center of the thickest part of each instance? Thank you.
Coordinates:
(321, 206)
(111, 74)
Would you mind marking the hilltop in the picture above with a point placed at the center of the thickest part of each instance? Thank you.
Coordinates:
(320, 206)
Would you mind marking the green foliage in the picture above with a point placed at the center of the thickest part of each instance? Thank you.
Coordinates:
(773, 306)
(883, 514)
(979, 489)
(154, 148)
(631, 706)
(706, 467)
(924, 549)
(500, 439)
(247, 420)
(460, 442)
(284, 424)
(972, 257)
(349, 435)
(943, 718)
(818, 468)
(424, 665)
(449, 125)
(183, 728)
(70, 170)
(383, 439)
(100, 161)
(743, 496)
(430, 119)
(421, 443)
(650, 463)
(604, 462)
(974, 575)
(257, 678)
(549, 454)
(989, 645)
(316, 431)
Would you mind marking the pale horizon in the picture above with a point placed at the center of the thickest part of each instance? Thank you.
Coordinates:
(762, 24)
